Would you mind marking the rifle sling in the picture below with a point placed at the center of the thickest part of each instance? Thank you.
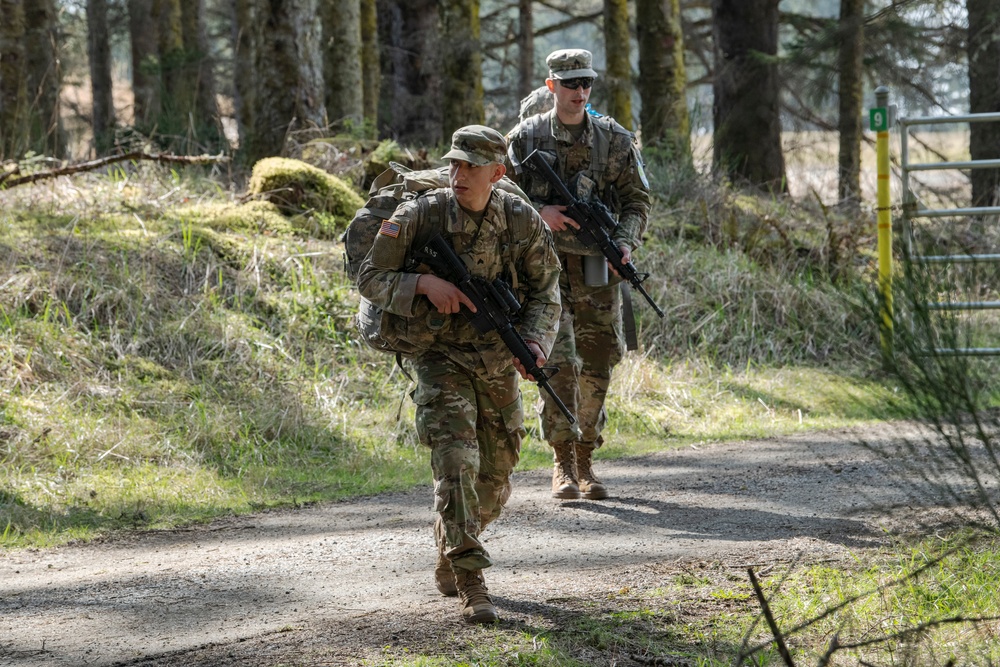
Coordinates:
(628, 318)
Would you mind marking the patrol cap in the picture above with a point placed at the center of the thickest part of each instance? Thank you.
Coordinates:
(477, 144)
(570, 64)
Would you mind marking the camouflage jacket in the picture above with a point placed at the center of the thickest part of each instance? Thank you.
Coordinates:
(512, 242)
(605, 153)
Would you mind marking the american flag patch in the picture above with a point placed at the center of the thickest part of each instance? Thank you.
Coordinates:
(389, 228)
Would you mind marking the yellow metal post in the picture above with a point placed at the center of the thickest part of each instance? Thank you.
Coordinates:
(879, 117)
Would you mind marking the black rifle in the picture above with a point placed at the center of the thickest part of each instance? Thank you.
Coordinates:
(496, 310)
(596, 226)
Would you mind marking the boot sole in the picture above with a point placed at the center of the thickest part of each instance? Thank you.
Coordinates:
(595, 495)
(483, 617)
(566, 495)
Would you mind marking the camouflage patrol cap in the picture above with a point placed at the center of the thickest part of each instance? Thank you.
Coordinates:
(570, 64)
(477, 144)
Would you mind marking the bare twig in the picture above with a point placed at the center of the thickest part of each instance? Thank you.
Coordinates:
(779, 641)
(111, 159)
(834, 645)
(919, 629)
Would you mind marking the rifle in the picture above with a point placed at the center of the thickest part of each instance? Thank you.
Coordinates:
(496, 310)
(596, 225)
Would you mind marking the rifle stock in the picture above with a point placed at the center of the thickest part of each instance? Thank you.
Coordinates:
(496, 307)
(596, 223)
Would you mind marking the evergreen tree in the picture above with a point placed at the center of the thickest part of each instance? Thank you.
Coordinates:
(747, 138)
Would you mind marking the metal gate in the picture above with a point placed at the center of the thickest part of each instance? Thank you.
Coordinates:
(913, 210)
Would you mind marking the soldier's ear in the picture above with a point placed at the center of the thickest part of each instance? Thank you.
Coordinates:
(551, 85)
(500, 171)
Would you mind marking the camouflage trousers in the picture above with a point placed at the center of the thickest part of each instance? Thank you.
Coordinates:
(474, 429)
(589, 344)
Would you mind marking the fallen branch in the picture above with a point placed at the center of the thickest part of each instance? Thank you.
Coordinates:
(779, 641)
(6, 180)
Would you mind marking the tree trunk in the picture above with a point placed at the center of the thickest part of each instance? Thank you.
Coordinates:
(410, 98)
(196, 73)
(144, 31)
(13, 87)
(99, 53)
(525, 49)
(747, 141)
(662, 78)
(44, 77)
(461, 65)
(618, 76)
(371, 68)
(188, 114)
(245, 40)
(342, 61)
(984, 96)
(850, 64)
(176, 95)
(288, 70)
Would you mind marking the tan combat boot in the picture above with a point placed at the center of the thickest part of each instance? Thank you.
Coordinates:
(477, 607)
(564, 480)
(591, 488)
(444, 578)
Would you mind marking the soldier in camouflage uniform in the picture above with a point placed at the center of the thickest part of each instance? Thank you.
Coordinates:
(468, 402)
(597, 158)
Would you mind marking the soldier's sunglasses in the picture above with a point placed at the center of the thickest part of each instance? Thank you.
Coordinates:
(573, 84)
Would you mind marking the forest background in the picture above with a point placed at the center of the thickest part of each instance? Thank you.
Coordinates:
(241, 75)
(176, 341)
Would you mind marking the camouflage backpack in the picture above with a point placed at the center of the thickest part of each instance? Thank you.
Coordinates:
(538, 101)
(376, 328)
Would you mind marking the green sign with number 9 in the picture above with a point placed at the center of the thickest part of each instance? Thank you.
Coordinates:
(879, 119)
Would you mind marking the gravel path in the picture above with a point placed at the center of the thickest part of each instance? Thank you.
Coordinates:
(343, 580)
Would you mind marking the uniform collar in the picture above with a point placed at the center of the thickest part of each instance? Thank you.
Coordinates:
(563, 135)
(462, 222)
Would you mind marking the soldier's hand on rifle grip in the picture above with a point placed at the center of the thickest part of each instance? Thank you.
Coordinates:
(539, 360)
(446, 297)
(556, 220)
(626, 257)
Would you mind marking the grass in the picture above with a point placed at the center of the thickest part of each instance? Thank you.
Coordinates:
(921, 603)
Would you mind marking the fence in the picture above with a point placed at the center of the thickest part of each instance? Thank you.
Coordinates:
(882, 118)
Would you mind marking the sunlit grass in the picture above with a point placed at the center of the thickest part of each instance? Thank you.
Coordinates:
(652, 407)
(705, 614)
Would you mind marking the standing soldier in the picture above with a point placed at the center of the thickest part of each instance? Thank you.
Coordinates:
(468, 404)
(597, 158)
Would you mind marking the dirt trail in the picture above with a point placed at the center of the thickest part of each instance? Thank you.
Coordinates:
(343, 580)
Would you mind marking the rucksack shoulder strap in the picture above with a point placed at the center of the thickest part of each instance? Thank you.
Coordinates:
(432, 206)
(602, 145)
(517, 234)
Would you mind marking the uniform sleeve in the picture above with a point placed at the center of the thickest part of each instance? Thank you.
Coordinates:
(540, 268)
(512, 149)
(381, 278)
(633, 194)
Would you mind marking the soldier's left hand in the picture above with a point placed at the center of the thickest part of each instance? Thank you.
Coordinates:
(626, 257)
(539, 360)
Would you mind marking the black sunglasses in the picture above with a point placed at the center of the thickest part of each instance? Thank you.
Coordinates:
(573, 84)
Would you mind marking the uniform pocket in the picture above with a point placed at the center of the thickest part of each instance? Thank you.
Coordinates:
(423, 397)
(442, 495)
(513, 417)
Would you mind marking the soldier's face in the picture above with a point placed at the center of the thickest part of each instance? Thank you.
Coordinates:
(569, 101)
(472, 184)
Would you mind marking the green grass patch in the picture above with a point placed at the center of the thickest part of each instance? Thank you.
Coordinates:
(925, 603)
